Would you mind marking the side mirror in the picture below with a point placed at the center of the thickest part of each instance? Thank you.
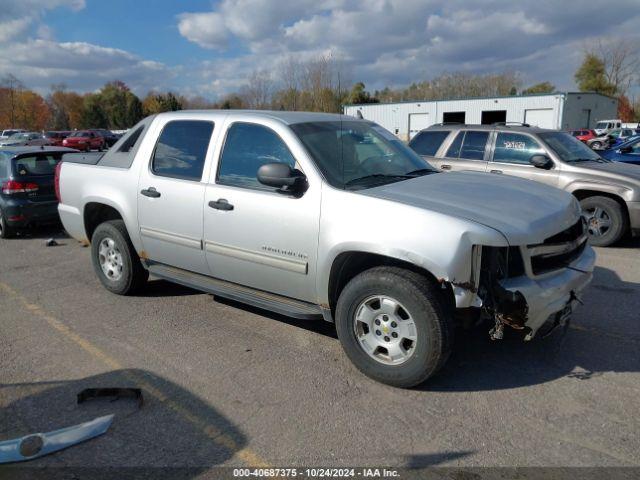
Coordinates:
(283, 177)
(541, 161)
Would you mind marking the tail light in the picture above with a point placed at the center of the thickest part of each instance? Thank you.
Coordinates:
(56, 181)
(11, 187)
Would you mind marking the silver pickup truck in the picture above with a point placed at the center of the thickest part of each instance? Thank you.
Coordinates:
(324, 216)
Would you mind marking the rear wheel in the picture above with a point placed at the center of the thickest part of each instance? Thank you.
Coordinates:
(606, 221)
(393, 326)
(596, 145)
(5, 230)
(115, 260)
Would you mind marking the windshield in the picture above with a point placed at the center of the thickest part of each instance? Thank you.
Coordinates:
(355, 155)
(602, 125)
(79, 134)
(568, 148)
(18, 136)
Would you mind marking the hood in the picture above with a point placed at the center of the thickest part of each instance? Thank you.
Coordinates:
(524, 211)
(622, 170)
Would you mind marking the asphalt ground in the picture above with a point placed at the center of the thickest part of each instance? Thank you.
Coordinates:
(226, 384)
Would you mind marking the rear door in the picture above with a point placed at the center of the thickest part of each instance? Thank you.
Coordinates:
(171, 194)
(511, 154)
(467, 152)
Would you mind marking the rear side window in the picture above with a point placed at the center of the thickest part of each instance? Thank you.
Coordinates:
(131, 140)
(454, 149)
(35, 165)
(249, 146)
(473, 145)
(181, 149)
(515, 148)
(428, 143)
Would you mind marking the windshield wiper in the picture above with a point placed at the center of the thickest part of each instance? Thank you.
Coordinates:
(420, 172)
(374, 177)
(599, 160)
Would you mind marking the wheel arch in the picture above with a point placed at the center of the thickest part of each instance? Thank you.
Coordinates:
(583, 193)
(346, 265)
(95, 213)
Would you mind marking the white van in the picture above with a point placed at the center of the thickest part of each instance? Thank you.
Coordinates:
(604, 126)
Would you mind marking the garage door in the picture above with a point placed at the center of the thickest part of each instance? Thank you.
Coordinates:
(417, 122)
(540, 117)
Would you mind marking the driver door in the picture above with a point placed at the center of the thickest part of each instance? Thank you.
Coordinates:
(255, 235)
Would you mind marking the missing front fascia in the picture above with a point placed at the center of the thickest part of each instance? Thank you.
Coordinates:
(503, 306)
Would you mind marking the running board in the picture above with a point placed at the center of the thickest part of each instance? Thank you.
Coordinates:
(257, 298)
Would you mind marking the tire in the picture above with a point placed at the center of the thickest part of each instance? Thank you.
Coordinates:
(606, 220)
(111, 246)
(5, 230)
(596, 145)
(419, 299)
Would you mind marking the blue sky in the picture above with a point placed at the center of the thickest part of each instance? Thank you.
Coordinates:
(201, 47)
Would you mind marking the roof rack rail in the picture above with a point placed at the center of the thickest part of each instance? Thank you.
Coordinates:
(506, 124)
(443, 124)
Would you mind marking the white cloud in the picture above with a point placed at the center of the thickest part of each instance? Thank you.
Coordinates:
(399, 41)
(29, 51)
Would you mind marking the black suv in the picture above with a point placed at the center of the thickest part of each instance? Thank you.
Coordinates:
(27, 191)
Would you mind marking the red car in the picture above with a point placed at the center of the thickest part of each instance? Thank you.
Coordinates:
(85, 140)
(584, 135)
(56, 138)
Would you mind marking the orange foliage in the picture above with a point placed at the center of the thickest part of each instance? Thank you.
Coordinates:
(625, 110)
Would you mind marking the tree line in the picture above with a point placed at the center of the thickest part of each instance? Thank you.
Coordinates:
(319, 84)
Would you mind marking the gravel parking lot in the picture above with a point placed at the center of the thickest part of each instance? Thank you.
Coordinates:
(227, 384)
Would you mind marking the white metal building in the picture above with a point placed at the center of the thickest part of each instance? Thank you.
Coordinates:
(564, 111)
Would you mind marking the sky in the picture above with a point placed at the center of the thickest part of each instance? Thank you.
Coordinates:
(210, 48)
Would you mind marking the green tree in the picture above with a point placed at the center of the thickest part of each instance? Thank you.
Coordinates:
(542, 87)
(121, 107)
(160, 102)
(93, 115)
(359, 94)
(591, 76)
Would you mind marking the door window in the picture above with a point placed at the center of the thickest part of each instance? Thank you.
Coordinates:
(181, 149)
(454, 149)
(248, 147)
(428, 143)
(515, 148)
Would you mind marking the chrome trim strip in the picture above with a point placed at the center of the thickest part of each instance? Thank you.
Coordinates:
(291, 265)
(558, 248)
(181, 240)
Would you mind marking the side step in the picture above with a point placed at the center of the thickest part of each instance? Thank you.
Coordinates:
(257, 298)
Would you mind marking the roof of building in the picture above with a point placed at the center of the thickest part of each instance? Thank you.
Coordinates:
(453, 99)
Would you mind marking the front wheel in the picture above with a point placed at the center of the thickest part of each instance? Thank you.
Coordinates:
(606, 220)
(393, 325)
(115, 260)
(596, 146)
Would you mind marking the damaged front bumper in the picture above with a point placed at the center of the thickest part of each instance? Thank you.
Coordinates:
(552, 293)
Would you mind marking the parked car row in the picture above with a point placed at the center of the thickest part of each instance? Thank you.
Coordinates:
(607, 140)
(86, 140)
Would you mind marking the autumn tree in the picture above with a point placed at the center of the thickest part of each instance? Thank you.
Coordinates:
(542, 87)
(121, 107)
(626, 111)
(257, 93)
(31, 111)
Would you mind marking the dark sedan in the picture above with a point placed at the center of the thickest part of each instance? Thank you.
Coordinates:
(27, 192)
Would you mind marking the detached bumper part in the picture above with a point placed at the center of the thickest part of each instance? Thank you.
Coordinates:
(40, 444)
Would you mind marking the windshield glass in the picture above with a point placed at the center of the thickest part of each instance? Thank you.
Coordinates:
(568, 148)
(355, 155)
(601, 125)
(79, 134)
(18, 136)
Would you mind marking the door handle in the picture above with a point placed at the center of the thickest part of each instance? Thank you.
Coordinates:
(150, 192)
(496, 171)
(445, 167)
(221, 204)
